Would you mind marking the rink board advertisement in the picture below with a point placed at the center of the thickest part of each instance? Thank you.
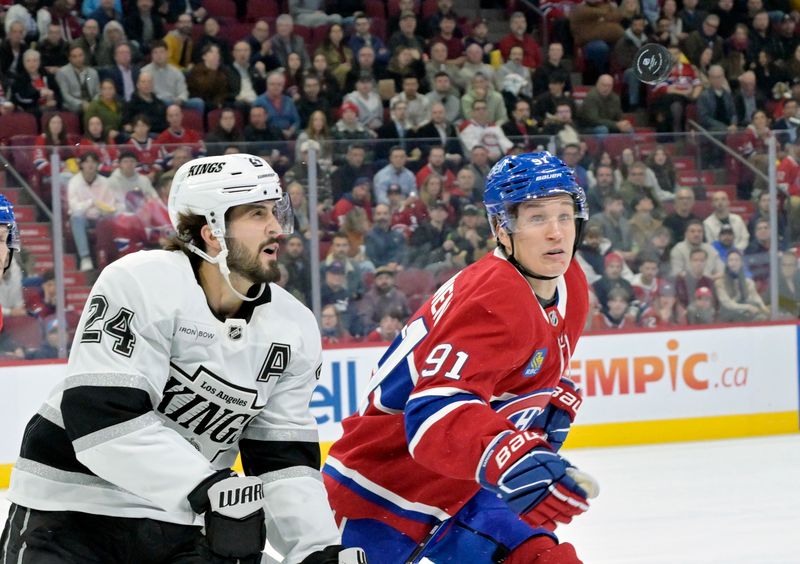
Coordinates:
(638, 387)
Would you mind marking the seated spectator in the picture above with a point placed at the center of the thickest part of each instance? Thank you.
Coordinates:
(365, 64)
(701, 310)
(738, 298)
(293, 74)
(142, 144)
(208, 80)
(179, 43)
(381, 299)
(176, 135)
(437, 62)
(353, 167)
(789, 286)
(452, 41)
(705, 37)
(331, 327)
(553, 63)
(762, 212)
(636, 186)
(571, 155)
(518, 37)
(389, 327)
(54, 135)
(394, 173)
(755, 148)
(33, 89)
(614, 226)
(670, 97)
(169, 83)
(180, 156)
(211, 36)
(595, 27)
(78, 83)
(394, 132)
(408, 213)
(267, 138)
(122, 71)
(340, 254)
(480, 165)
(479, 130)
(282, 111)
(436, 165)
(439, 127)
(297, 197)
(748, 99)
(473, 64)
(406, 35)
(665, 310)
(297, 266)
(613, 265)
(225, 133)
(126, 179)
(693, 239)
(317, 130)
(722, 215)
(443, 92)
(444, 8)
(113, 35)
(362, 37)
(469, 239)
(90, 198)
(355, 225)
(329, 86)
(623, 58)
(418, 107)
(337, 54)
(285, 41)
(53, 49)
(430, 245)
(370, 106)
(357, 197)
(562, 126)
(385, 246)
(432, 193)
(663, 168)
(300, 169)
(145, 102)
(348, 128)
(245, 79)
(96, 139)
(405, 62)
(513, 66)
(145, 25)
(724, 242)
(602, 189)
(12, 302)
(693, 278)
(62, 13)
(521, 127)
(643, 223)
(479, 35)
(682, 213)
(646, 283)
(601, 112)
(44, 305)
(108, 108)
(261, 47)
(618, 314)
(757, 256)
(481, 89)
(311, 101)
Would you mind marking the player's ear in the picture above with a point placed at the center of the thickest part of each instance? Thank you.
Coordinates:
(209, 239)
(503, 238)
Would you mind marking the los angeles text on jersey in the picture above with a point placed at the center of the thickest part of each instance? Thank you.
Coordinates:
(206, 410)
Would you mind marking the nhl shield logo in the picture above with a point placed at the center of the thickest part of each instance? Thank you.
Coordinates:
(535, 364)
(235, 332)
(553, 318)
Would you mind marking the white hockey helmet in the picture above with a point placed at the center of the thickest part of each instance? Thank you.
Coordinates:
(210, 186)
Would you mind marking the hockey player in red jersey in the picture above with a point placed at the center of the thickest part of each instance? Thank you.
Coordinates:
(453, 454)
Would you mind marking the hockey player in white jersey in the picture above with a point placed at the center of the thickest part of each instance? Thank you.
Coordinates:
(182, 359)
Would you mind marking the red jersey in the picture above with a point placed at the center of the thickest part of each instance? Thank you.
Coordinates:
(480, 357)
(146, 154)
(532, 57)
(787, 175)
(681, 75)
(169, 140)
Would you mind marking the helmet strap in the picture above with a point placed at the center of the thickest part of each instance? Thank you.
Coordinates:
(221, 261)
(524, 271)
(9, 260)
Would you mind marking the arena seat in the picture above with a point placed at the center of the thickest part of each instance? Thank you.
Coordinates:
(17, 123)
(27, 331)
(223, 8)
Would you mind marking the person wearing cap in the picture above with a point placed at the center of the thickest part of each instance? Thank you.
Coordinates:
(381, 298)
(394, 173)
(701, 310)
(370, 106)
(664, 311)
(479, 35)
(89, 198)
(359, 196)
(348, 129)
(724, 241)
(406, 35)
(335, 292)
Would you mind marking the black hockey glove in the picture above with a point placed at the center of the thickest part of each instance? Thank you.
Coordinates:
(234, 514)
(336, 554)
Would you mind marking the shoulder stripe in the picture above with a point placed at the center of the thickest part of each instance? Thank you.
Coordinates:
(63, 476)
(444, 391)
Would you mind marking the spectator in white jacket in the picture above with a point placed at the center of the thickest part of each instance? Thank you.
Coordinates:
(722, 215)
(480, 131)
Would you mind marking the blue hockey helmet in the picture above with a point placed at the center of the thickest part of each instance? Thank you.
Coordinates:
(7, 219)
(520, 178)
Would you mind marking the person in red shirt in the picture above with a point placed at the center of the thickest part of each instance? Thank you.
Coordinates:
(453, 454)
(518, 37)
(141, 144)
(176, 135)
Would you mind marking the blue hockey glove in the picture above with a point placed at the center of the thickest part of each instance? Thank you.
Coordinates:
(522, 469)
(559, 413)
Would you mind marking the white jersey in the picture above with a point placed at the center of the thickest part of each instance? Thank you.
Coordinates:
(160, 394)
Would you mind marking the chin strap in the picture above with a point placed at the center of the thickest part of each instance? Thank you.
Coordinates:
(9, 260)
(221, 261)
(524, 271)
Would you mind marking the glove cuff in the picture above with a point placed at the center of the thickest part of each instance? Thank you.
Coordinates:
(198, 497)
